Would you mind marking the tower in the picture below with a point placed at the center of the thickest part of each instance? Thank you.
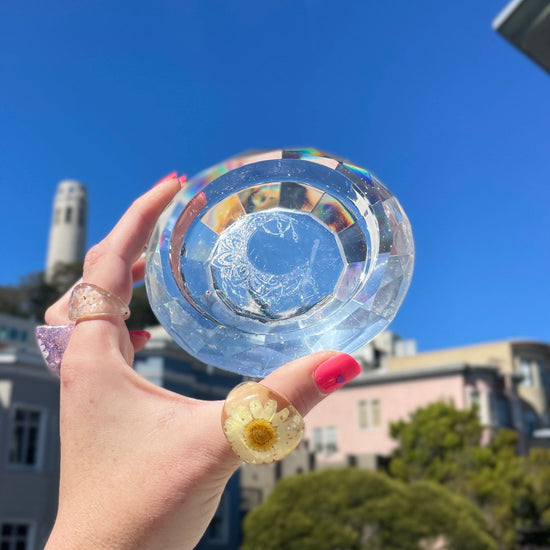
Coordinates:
(67, 242)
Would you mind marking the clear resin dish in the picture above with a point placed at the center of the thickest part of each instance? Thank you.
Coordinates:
(272, 255)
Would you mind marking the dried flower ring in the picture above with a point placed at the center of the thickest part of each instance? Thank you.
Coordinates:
(93, 302)
(260, 424)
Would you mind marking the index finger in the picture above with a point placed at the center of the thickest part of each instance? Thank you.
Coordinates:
(109, 263)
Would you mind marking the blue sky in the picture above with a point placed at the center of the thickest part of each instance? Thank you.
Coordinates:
(425, 94)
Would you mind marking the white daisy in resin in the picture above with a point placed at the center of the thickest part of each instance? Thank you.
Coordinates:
(259, 430)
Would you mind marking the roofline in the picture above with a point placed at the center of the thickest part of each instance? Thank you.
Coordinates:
(511, 341)
(374, 377)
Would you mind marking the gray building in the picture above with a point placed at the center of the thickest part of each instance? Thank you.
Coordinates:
(29, 442)
(29, 433)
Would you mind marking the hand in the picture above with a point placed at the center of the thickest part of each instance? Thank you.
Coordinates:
(141, 467)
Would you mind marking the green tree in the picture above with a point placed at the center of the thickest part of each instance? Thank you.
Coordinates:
(353, 509)
(498, 483)
(443, 444)
(141, 313)
(32, 296)
(537, 466)
(435, 443)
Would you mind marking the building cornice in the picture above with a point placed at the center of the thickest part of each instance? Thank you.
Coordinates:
(375, 377)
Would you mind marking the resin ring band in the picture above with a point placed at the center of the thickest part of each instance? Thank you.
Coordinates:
(261, 425)
(87, 302)
(93, 302)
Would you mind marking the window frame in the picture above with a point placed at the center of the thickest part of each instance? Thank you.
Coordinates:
(330, 443)
(40, 438)
(525, 365)
(366, 417)
(221, 514)
(30, 535)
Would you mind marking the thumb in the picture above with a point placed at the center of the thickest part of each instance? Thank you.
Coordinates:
(306, 381)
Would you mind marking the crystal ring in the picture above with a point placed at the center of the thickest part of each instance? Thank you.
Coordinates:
(271, 256)
(53, 341)
(93, 302)
(260, 424)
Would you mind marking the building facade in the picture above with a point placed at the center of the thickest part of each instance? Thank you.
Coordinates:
(29, 434)
(527, 359)
(29, 449)
(16, 331)
(352, 426)
(508, 382)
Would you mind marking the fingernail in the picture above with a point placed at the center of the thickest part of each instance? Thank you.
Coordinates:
(142, 333)
(182, 180)
(336, 372)
(171, 176)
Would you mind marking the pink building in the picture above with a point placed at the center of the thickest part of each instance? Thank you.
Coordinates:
(351, 426)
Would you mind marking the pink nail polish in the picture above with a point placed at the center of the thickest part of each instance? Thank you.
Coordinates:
(336, 372)
(183, 180)
(171, 176)
(143, 333)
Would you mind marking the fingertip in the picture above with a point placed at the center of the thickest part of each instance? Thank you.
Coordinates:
(336, 372)
(139, 339)
(168, 177)
(307, 381)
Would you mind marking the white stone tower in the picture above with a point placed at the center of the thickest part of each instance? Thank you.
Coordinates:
(67, 242)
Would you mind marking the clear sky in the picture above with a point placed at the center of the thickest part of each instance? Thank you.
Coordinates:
(425, 94)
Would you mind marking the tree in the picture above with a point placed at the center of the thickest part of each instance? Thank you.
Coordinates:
(443, 444)
(32, 296)
(435, 443)
(142, 315)
(353, 509)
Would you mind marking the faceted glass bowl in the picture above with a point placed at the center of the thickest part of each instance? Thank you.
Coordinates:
(272, 255)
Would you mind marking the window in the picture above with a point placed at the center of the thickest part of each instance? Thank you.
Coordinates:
(376, 413)
(362, 409)
(219, 525)
(317, 440)
(544, 375)
(325, 440)
(503, 416)
(15, 536)
(530, 421)
(25, 438)
(474, 399)
(68, 214)
(331, 439)
(525, 369)
(369, 414)
(81, 217)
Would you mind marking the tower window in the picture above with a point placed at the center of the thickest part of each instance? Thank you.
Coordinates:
(68, 215)
(81, 217)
